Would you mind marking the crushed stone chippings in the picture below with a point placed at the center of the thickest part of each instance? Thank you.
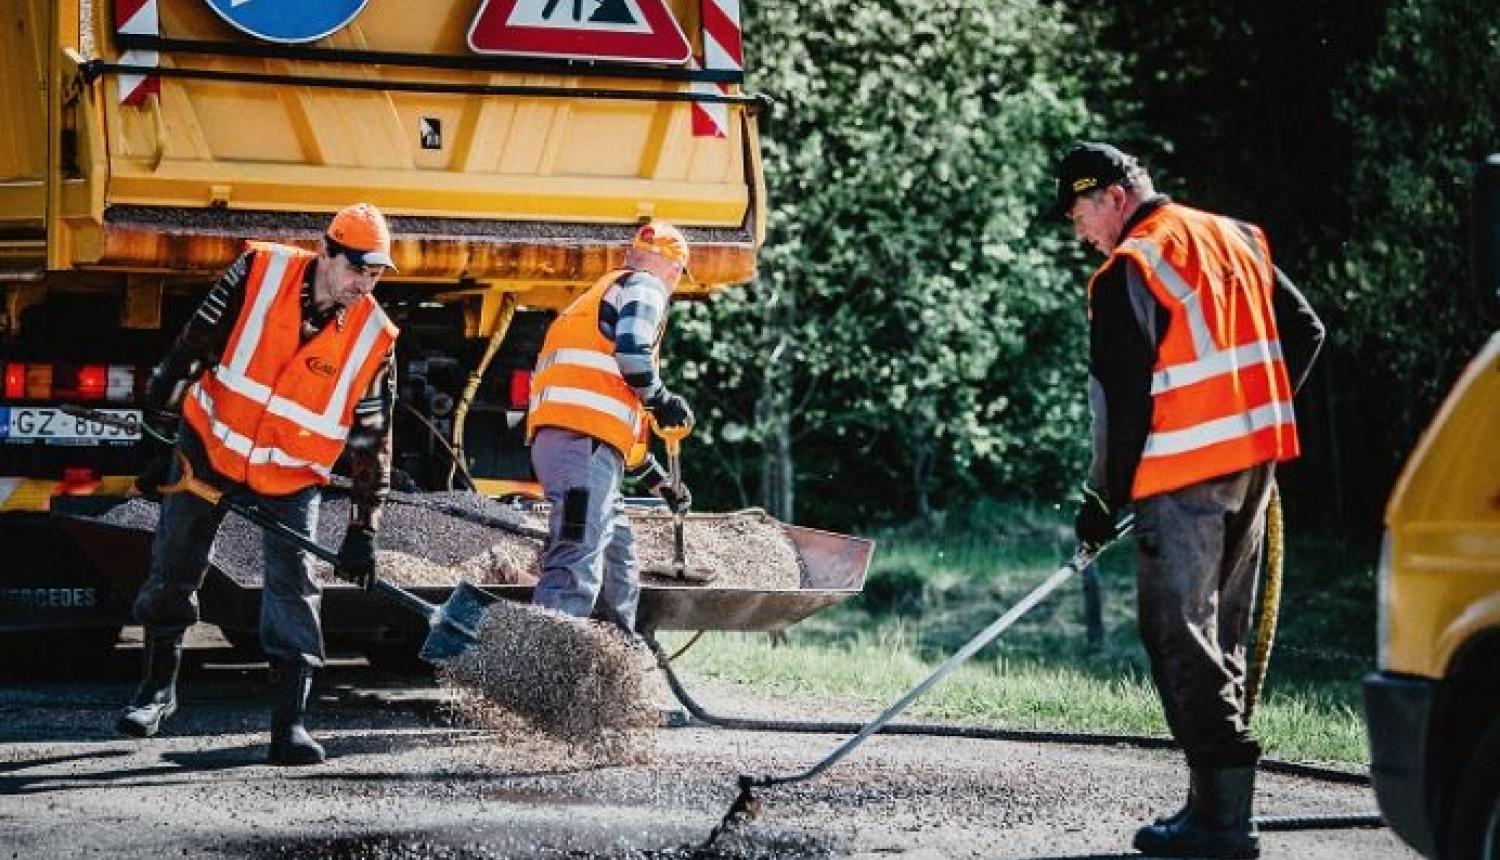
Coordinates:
(747, 549)
(579, 681)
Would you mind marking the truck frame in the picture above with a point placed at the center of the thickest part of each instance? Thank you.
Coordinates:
(145, 140)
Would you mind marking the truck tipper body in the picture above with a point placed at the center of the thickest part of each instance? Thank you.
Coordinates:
(514, 145)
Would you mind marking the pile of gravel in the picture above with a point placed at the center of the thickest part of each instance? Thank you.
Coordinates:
(580, 682)
(431, 546)
(747, 549)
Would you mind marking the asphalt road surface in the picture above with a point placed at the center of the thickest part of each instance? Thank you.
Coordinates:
(404, 780)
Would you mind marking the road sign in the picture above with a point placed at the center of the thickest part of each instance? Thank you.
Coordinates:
(288, 21)
(628, 31)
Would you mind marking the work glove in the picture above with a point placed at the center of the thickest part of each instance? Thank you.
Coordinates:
(158, 456)
(1095, 523)
(679, 499)
(357, 556)
(670, 410)
(650, 475)
(157, 472)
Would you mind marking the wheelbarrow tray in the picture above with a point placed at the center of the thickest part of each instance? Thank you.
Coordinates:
(835, 565)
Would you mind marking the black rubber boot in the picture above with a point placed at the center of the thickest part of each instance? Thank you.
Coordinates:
(1181, 813)
(290, 743)
(1218, 821)
(156, 697)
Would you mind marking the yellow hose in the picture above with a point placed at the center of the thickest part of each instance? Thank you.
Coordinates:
(1270, 602)
(461, 412)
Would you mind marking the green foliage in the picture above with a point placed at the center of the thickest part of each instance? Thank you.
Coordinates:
(1422, 111)
(911, 325)
(929, 593)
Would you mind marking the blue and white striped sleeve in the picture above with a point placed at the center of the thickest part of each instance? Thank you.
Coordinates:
(642, 304)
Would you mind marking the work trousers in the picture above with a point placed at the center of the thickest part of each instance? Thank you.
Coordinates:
(1198, 552)
(182, 550)
(589, 566)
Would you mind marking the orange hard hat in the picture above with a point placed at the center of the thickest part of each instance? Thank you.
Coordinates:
(360, 230)
(662, 239)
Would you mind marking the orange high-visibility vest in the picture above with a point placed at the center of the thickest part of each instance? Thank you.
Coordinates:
(273, 414)
(1221, 395)
(577, 384)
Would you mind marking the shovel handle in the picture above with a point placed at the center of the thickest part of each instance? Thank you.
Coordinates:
(672, 436)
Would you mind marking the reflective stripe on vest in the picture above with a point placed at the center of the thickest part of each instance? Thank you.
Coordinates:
(577, 384)
(1221, 395)
(274, 413)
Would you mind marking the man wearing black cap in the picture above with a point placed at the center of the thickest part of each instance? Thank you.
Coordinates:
(1195, 341)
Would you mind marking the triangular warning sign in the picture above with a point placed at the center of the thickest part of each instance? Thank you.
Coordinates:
(627, 31)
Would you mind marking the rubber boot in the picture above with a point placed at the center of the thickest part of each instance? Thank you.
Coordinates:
(1181, 813)
(155, 698)
(1218, 822)
(291, 683)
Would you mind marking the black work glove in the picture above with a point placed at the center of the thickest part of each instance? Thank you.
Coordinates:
(679, 499)
(1095, 523)
(157, 472)
(654, 479)
(357, 556)
(670, 410)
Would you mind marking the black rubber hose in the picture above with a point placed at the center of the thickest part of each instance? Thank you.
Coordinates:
(1270, 765)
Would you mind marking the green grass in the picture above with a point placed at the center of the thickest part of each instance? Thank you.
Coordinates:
(928, 594)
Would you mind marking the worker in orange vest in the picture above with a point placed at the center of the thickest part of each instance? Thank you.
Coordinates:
(596, 379)
(287, 362)
(1197, 344)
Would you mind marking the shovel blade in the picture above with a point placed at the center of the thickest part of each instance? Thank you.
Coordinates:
(455, 625)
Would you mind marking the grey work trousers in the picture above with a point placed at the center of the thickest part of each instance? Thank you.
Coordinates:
(167, 604)
(1198, 553)
(589, 566)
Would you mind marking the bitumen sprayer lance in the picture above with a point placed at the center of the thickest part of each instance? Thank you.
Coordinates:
(746, 806)
(452, 628)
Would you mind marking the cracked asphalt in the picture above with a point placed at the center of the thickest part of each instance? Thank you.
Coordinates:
(404, 780)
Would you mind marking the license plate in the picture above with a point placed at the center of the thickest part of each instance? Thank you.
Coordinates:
(32, 424)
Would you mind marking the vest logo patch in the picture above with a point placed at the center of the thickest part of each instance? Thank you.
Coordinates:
(320, 366)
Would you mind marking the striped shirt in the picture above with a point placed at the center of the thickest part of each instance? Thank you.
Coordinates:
(633, 314)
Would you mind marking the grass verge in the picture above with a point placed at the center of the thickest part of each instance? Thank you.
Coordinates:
(928, 594)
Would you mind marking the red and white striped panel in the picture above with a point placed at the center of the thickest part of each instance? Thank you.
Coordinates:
(137, 17)
(723, 49)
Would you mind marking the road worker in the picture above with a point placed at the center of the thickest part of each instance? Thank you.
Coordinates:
(596, 380)
(1197, 343)
(287, 362)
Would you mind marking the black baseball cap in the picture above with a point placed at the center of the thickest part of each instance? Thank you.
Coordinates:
(1088, 166)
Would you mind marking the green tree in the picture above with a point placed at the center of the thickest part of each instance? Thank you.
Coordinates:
(912, 331)
(1422, 111)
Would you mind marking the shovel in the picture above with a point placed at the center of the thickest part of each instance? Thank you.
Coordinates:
(678, 569)
(452, 627)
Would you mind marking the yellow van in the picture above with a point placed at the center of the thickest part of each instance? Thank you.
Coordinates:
(1433, 708)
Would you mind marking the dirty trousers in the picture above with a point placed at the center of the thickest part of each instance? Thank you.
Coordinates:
(1197, 556)
(589, 566)
(181, 551)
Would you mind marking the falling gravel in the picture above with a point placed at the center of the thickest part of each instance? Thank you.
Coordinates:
(579, 681)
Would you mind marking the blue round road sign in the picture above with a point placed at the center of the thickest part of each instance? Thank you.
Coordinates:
(288, 20)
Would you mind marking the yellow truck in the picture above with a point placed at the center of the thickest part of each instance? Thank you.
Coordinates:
(515, 144)
(1433, 708)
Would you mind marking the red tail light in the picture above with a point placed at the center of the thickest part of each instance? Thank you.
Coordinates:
(520, 389)
(15, 381)
(93, 380)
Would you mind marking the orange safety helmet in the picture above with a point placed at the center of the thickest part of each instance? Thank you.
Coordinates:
(662, 239)
(363, 234)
